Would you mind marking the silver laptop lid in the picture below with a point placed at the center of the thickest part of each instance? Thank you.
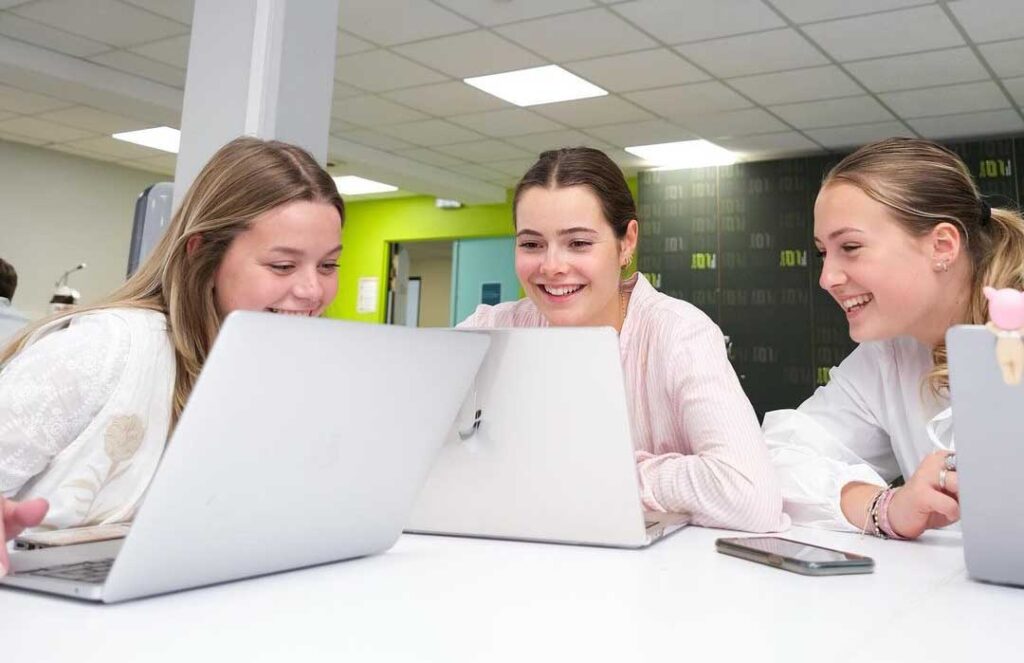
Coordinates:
(552, 458)
(303, 442)
(988, 428)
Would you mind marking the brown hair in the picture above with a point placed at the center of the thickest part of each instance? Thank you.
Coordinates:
(925, 184)
(8, 279)
(243, 180)
(583, 166)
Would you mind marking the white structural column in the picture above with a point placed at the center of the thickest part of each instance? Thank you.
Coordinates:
(260, 68)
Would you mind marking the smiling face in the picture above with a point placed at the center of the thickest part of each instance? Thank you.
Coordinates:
(889, 282)
(285, 262)
(568, 257)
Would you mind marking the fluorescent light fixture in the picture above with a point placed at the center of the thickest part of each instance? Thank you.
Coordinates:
(159, 138)
(350, 185)
(539, 85)
(684, 154)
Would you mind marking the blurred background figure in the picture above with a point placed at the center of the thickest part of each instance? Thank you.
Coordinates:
(11, 319)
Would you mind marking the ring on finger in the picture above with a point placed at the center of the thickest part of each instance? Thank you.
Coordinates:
(950, 462)
(942, 478)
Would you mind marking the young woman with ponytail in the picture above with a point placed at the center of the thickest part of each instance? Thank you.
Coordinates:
(907, 244)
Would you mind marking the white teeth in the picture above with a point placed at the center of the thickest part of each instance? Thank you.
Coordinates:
(561, 291)
(305, 314)
(853, 302)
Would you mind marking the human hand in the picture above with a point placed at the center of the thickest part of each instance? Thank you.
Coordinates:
(16, 517)
(923, 504)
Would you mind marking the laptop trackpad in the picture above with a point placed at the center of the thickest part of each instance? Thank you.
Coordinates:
(23, 561)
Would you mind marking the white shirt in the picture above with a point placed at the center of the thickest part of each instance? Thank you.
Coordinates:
(869, 423)
(11, 320)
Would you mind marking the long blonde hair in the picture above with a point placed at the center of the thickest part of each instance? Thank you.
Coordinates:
(925, 184)
(243, 180)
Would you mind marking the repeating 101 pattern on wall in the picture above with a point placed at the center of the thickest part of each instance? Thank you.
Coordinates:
(737, 242)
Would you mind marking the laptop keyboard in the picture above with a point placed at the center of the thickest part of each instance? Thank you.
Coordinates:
(94, 572)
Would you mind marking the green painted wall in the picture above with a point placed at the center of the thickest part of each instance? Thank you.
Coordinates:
(371, 225)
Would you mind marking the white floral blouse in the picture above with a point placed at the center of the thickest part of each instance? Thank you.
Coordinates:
(84, 415)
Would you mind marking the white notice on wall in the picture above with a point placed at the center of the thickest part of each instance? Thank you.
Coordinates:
(366, 300)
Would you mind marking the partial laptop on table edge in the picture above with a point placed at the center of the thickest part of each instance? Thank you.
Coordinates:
(543, 448)
(304, 439)
(988, 429)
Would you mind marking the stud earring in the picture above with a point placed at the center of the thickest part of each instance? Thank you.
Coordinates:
(942, 266)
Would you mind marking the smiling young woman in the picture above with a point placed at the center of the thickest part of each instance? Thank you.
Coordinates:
(907, 244)
(698, 447)
(88, 397)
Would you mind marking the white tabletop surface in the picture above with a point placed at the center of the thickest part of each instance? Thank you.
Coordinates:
(454, 599)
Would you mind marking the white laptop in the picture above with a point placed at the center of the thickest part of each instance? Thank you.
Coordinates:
(988, 427)
(542, 450)
(304, 441)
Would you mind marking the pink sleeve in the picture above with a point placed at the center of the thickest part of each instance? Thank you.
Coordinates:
(725, 479)
(482, 317)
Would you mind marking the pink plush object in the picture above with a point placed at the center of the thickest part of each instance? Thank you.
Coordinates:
(1005, 307)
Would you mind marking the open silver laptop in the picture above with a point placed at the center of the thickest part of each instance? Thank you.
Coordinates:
(542, 449)
(988, 428)
(304, 441)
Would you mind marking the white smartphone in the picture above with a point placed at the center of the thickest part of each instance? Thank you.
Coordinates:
(795, 556)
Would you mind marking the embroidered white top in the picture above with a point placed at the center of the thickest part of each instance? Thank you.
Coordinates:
(869, 423)
(84, 415)
(698, 448)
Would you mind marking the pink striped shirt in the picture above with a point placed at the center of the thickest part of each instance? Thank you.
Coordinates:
(699, 448)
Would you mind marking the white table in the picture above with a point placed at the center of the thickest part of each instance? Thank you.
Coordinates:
(451, 599)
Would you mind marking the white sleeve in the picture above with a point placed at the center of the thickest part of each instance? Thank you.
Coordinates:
(53, 389)
(835, 437)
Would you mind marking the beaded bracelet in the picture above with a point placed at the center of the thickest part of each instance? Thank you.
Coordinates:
(872, 515)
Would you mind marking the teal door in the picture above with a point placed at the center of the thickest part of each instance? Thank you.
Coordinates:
(483, 272)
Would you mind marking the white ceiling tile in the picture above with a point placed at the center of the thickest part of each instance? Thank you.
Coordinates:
(179, 10)
(427, 155)
(343, 91)
(969, 124)
(833, 112)
(68, 148)
(389, 22)
(629, 163)
(888, 33)
(381, 70)
(451, 98)
(956, 65)
(496, 13)
(948, 100)
(807, 11)
(758, 53)
(733, 123)
(510, 122)
(476, 53)
(372, 138)
(537, 143)
(693, 99)
(108, 21)
(93, 120)
(593, 112)
(990, 20)
(38, 34)
(339, 127)
(512, 167)
(578, 36)
(851, 137)
(764, 146)
(429, 133)
(477, 171)
(373, 111)
(17, 138)
(173, 51)
(798, 85)
(348, 44)
(659, 67)
(484, 150)
(676, 22)
(21, 101)
(1015, 86)
(641, 133)
(1006, 58)
(162, 164)
(4, 115)
(118, 149)
(136, 64)
(43, 130)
